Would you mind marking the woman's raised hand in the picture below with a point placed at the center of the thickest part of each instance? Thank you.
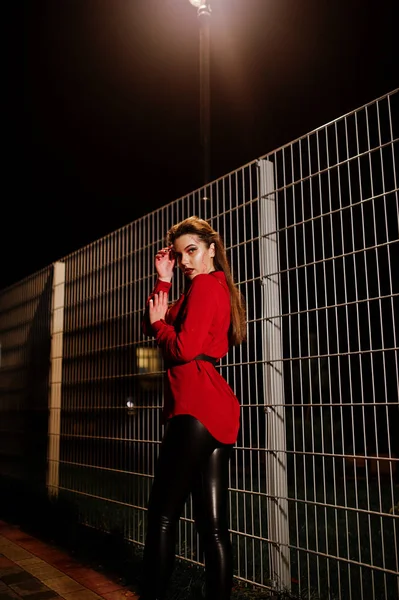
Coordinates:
(158, 307)
(164, 263)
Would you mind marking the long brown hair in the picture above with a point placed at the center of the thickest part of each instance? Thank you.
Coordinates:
(201, 228)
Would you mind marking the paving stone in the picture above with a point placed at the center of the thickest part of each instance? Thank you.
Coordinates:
(9, 571)
(95, 578)
(33, 564)
(63, 584)
(4, 542)
(17, 535)
(78, 573)
(52, 555)
(38, 548)
(29, 587)
(46, 595)
(16, 577)
(9, 595)
(81, 595)
(32, 571)
(102, 588)
(43, 571)
(121, 595)
(6, 529)
(29, 561)
(65, 563)
(16, 553)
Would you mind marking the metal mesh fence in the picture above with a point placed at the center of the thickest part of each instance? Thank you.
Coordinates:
(312, 233)
(25, 314)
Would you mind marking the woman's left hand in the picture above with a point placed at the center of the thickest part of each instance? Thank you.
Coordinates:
(158, 307)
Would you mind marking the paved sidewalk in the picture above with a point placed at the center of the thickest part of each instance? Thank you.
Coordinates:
(34, 570)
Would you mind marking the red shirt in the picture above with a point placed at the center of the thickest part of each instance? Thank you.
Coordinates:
(198, 323)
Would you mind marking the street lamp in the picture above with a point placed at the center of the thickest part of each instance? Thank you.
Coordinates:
(204, 16)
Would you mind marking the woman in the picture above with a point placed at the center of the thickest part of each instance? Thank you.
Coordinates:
(201, 412)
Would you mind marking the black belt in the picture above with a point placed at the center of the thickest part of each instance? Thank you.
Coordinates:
(210, 359)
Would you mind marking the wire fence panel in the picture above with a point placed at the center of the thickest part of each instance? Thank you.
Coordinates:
(337, 211)
(25, 314)
(312, 233)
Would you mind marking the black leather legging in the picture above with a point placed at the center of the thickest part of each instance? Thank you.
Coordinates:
(190, 460)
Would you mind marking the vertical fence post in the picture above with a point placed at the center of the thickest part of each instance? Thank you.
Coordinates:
(54, 427)
(276, 457)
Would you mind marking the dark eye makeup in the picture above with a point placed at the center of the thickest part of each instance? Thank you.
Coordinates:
(189, 250)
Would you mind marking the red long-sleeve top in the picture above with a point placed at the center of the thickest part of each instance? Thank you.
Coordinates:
(198, 323)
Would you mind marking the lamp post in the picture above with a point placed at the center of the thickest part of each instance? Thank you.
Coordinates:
(204, 17)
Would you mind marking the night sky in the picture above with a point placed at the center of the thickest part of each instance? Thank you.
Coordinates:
(101, 117)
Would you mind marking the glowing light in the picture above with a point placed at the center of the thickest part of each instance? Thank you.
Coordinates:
(202, 5)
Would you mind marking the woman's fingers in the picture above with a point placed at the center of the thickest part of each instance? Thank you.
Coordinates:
(161, 299)
(164, 252)
(158, 306)
(158, 298)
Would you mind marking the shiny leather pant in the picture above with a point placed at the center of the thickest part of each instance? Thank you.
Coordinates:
(192, 461)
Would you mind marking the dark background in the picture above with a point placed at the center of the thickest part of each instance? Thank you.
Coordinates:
(101, 105)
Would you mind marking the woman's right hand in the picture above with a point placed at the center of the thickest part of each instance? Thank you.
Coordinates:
(164, 263)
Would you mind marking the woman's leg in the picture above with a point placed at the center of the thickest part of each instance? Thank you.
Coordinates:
(185, 448)
(210, 502)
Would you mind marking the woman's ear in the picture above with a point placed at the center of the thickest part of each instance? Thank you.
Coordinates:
(212, 250)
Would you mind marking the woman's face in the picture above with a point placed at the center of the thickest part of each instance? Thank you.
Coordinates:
(193, 257)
